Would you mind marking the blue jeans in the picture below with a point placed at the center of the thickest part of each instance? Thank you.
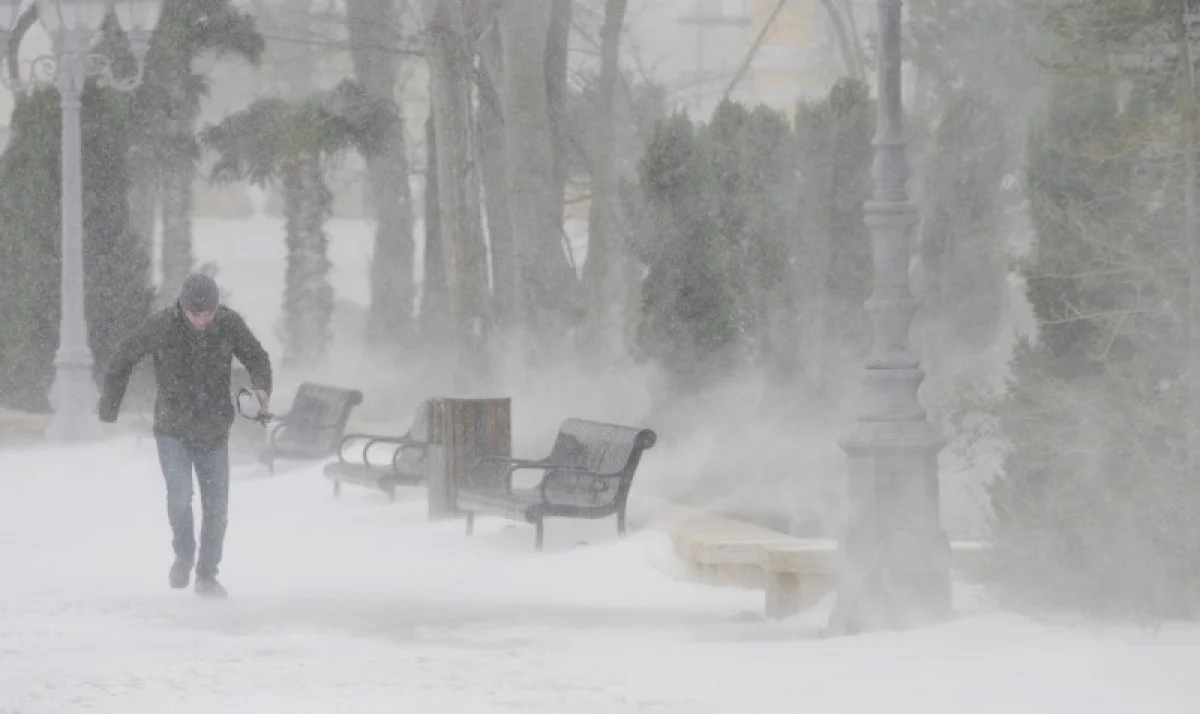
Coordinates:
(211, 463)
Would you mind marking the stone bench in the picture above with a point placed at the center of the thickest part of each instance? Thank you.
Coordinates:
(797, 574)
(722, 556)
(800, 573)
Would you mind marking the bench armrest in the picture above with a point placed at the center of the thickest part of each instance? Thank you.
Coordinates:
(402, 442)
(512, 466)
(371, 440)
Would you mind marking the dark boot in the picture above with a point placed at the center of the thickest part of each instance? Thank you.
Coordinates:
(207, 586)
(181, 572)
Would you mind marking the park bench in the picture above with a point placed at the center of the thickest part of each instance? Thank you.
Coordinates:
(406, 464)
(313, 428)
(587, 475)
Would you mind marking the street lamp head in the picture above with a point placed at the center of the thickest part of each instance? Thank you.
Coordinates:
(72, 15)
(137, 17)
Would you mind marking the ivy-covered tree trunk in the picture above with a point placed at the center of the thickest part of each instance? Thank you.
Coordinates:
(374, 27)
(308, 295)
(171, 76)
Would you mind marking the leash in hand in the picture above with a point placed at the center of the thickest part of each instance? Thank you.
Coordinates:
(262, 417)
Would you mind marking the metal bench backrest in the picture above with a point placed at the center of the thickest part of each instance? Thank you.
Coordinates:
(414, 457)
(601, 448)
(318, 417)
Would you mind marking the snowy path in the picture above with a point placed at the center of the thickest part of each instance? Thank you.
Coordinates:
(361, 606)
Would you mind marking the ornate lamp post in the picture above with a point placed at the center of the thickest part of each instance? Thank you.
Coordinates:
(894, 555)
(74, 28)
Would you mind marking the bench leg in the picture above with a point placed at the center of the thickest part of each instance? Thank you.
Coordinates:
(783, 595)
(621, 523)
(539, 533)
(391, 493)
(337, 488)
(470, 522)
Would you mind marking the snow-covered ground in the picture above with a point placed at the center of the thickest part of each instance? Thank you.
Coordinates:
(358, 605)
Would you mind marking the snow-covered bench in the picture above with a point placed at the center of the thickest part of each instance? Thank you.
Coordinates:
(587, 475)
(406, 461)
(313, 428)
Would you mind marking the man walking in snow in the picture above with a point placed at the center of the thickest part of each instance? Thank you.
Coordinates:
(193, 343)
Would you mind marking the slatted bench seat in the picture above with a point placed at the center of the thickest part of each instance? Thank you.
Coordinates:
(587, 475)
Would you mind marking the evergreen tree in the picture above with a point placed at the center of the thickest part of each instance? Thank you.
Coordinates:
(963, 286)
(834, 154)
(1094, 509)
(689, 322)
(717, 237)
(116, 267)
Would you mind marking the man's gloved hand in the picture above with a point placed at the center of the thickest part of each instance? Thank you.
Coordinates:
(264, 400)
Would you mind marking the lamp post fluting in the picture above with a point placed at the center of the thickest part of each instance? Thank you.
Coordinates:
(894, 556)
(74, 27)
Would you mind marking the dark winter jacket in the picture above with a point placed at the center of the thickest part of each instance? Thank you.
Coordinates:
(192, 368)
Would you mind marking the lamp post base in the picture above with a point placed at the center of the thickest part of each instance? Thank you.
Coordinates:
(74, 398)
(894, 559)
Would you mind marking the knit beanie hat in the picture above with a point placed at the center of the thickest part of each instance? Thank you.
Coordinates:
(199, 294)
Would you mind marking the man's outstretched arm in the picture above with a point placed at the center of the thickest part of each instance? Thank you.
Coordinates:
(120, 367)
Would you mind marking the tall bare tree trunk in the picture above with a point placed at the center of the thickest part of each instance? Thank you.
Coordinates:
(462, 242)
(856, 38)
(374, 27)
(557, 46)
(1187, 113)
(490, 131)
(845, 43)
(603, 276)
(435, 314)
(545, 274)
